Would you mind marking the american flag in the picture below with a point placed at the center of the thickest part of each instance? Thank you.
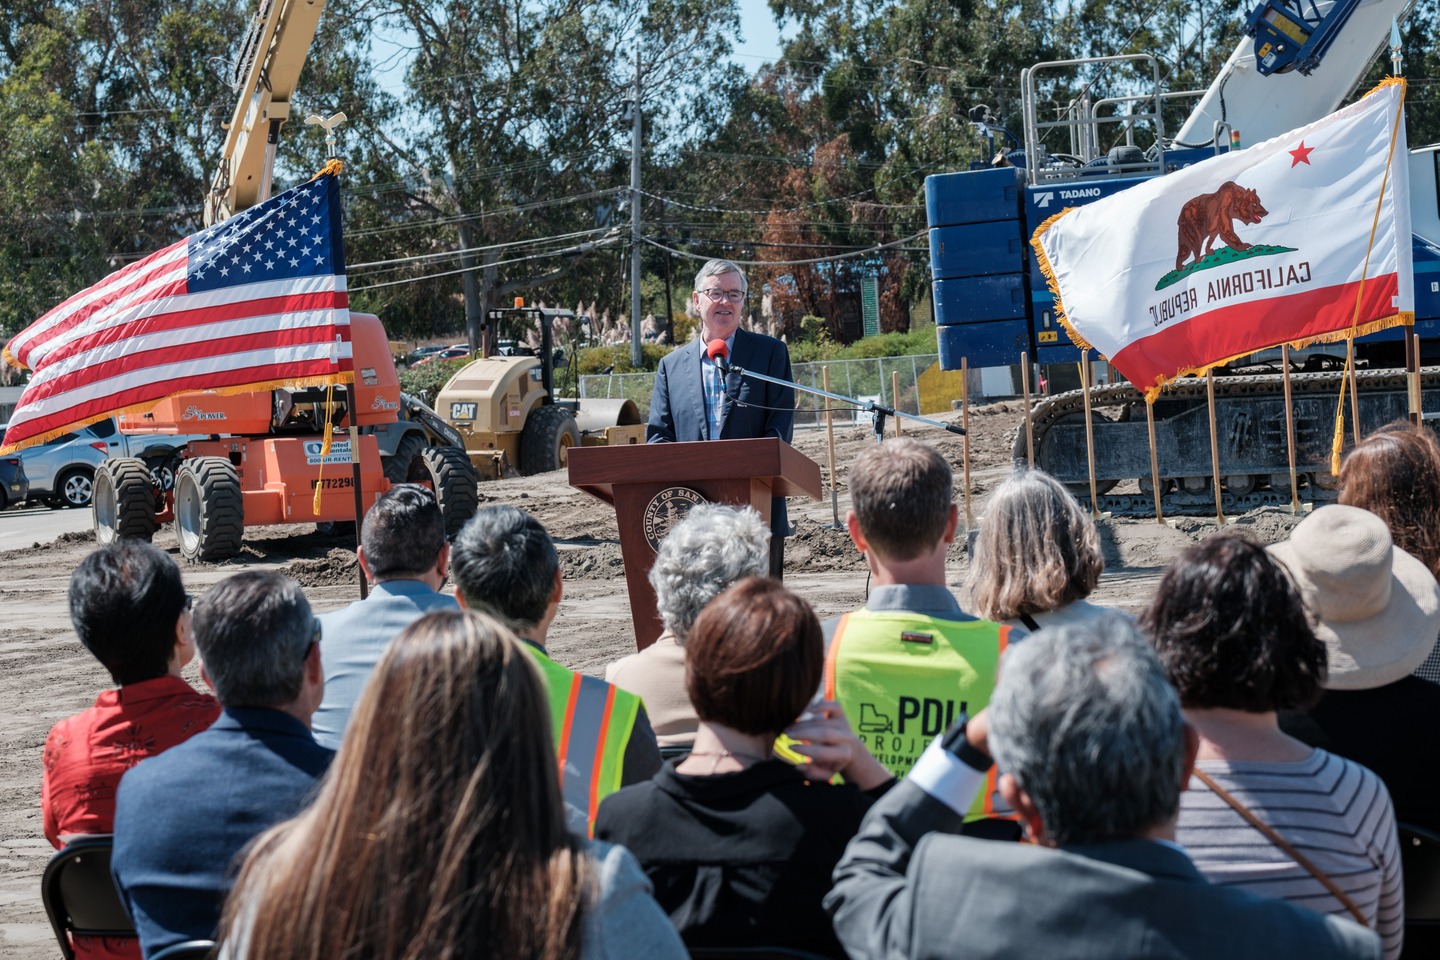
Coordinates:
(256, 301)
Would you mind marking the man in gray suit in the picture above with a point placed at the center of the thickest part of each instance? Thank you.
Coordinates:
(404, 554)
(1094, 753)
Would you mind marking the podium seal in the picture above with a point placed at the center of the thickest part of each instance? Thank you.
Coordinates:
(666, 509)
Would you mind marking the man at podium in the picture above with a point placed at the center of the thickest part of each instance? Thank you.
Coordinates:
(693, 401)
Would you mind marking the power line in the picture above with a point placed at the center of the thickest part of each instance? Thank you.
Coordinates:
(790, 263)
(446, 254)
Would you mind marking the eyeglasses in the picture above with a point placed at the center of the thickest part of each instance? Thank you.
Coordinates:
(716, 295)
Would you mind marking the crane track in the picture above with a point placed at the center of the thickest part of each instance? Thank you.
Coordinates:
(1120, 403)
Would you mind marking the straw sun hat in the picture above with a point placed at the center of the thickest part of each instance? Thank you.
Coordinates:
(1378, 607)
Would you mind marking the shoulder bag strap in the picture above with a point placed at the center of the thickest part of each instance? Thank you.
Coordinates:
(1284, 845)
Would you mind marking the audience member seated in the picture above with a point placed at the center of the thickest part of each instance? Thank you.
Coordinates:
(130, 610)
(1378, 612)
(911, 660)
(1395, 474)
(440, 831)
(404, 555)
(1094, 752)
(505, 565)
(181, 817)
(1037, 555)
(741, 845)
(1236, 642)
(707, 551)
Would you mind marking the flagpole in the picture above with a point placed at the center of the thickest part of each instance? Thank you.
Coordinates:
(1412, 371)
(351, 415)
(1154, 460)
(1214, 445)
(965, 437)
(1089, 431)
(1029, 422)
(1290, 429)
(1354, 389)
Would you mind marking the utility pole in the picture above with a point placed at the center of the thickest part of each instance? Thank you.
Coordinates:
(636, 339)
(473, 314)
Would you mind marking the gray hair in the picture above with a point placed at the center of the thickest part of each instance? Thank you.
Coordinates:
(1085, 721)
(253, 631)
(504, 564)
(712, 547)
(715, 268)
(1037, 549)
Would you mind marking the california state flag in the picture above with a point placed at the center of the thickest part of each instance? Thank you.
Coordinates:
(1299, 239)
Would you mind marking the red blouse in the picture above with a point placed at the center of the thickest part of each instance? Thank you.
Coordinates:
(85, 756)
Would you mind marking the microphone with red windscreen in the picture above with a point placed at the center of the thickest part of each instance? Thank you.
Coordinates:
(719, 354)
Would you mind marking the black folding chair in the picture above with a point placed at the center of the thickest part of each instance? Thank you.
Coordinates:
(189, 950)
(1420, 861)
(79, 895)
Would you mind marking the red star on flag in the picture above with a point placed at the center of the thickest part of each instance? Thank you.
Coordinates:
(1301, 155)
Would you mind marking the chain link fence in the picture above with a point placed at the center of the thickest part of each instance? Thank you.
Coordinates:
(869, 379)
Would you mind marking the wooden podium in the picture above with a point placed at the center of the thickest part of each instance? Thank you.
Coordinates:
(653, 485)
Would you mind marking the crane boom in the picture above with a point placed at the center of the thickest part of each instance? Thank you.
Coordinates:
(271, 59)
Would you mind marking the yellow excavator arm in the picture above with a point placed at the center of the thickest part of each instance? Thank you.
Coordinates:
(271, 59)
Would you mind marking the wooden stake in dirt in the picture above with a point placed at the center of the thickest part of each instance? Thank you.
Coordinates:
(1089, 431)
(1214, 446)
(1025, 393)
(1354, 389)
(1290, 429)
(965, 440)
(1412, 371)
(830, 440)
(895, 397)
(1154, 460)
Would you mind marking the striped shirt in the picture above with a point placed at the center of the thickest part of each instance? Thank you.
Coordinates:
(1335, 812)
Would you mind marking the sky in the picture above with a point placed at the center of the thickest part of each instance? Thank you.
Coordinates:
(757, 44)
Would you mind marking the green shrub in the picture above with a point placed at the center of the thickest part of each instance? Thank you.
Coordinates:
(595, 360)
(426, 380)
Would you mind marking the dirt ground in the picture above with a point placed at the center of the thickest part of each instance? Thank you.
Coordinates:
(45, 674)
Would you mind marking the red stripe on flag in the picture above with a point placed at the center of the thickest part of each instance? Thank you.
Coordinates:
(1238, 329)
(101, 296)
(186, 353)
(184, 315)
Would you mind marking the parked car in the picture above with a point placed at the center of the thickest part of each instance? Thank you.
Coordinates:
(420, 353)
(449, 353)
(62, 472)
(14, 487)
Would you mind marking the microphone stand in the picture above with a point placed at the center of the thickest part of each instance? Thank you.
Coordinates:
(878, 412)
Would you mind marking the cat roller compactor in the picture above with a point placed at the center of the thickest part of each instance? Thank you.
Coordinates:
(505, 407)
(1298, 64)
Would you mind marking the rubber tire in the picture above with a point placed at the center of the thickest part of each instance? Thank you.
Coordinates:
(124, 501)
(399, 466)
(456, 484)
(209, 510)
(83, 492)
(549, 432)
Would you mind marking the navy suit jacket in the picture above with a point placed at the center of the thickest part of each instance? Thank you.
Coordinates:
(352, 639)
(751, 409)
(183, 815)
(907, 887)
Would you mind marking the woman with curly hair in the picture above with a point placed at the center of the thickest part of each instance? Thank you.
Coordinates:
(1264, 811)
(439, 831)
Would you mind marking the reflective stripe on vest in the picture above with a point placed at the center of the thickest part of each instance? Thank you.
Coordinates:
(592, 722)
(904, 679)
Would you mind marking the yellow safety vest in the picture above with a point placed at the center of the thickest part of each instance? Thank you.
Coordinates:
(592, 722)
(902, 679)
